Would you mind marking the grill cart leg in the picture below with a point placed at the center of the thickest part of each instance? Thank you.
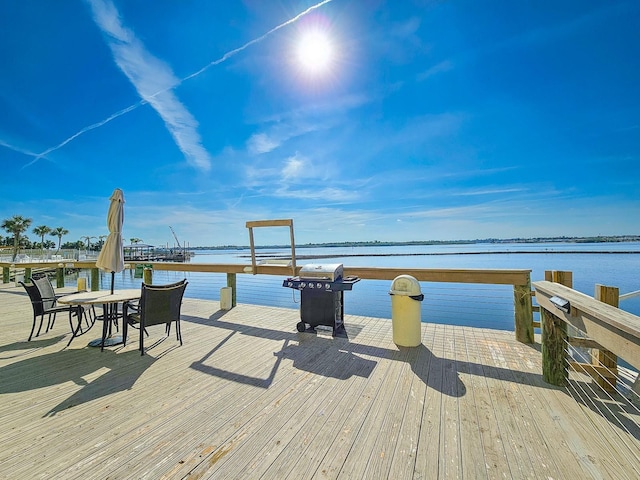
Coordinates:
(338, 322)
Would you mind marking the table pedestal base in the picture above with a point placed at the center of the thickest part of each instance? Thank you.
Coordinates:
(108, 342)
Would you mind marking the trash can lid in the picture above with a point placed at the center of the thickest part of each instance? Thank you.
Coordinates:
(405, 285)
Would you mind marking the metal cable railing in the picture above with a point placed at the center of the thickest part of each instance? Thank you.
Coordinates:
(477, 305)
(629, 295)
(620, 404)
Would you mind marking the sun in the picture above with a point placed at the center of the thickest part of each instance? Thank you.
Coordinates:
(315, 52)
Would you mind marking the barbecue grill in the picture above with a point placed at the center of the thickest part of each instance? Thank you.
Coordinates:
(321, 296)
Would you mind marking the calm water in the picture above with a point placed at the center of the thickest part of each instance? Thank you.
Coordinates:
(459, 304)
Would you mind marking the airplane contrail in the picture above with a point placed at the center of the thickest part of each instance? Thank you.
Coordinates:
(85, 130)
(140, 103)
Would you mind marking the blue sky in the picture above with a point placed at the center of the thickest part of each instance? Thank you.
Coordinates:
(423, 120)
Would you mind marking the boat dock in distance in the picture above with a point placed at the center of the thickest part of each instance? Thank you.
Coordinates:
(141, 252)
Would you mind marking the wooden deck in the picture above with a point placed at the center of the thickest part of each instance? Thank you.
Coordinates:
(247, 396)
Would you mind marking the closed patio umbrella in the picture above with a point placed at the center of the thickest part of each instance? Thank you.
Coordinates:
(111, 257)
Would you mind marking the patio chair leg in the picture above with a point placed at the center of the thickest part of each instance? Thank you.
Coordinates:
(40, 326)
(74, 333)
(33, 327)
(51, 322)
(125, 328)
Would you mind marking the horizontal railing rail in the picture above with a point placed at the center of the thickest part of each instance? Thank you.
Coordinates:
(627, 296)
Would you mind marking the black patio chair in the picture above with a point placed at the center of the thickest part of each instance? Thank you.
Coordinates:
(44, 302)
(158, 304)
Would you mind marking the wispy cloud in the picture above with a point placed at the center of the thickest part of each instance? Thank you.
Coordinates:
(295, 167)
(298, 167)
(403, 41)
(328, 195)
(441, 67)
(153, 79)
(279, 128)
(277, 135)
(490, 191)
(261, 143)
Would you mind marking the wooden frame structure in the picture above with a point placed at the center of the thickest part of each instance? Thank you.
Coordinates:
(271, 223)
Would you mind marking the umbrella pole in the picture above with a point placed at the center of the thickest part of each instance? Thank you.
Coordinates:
(113, 274)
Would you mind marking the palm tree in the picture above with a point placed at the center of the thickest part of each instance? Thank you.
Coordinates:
(88, 239)
(16, 225)
(41, 231)
(135, 240)
(59, 232)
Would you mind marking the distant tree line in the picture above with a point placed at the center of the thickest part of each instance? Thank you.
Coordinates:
(17, 227)
(378, 243)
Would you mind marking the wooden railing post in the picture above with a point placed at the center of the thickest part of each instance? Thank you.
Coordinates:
(60, 277)
(95, 279)
(555, 336)
(523, 312)
(603, 357)
(554, 348)
(558, 276)
(27, 275)
(6, 274)
(231, 282)
(147, 274)
(566, 279)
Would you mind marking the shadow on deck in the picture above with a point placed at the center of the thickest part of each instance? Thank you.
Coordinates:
(247, 396)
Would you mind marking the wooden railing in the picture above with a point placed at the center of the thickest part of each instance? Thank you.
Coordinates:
(613, 332)
(520, 279)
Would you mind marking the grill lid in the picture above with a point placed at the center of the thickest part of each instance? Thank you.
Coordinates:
(327, 271)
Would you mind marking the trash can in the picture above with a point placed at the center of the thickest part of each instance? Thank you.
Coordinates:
(405, 311)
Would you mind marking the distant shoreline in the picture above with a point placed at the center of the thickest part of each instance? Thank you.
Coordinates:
(494, 241)
(502, 252)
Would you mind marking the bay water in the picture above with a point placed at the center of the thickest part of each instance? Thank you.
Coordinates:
(487, 306)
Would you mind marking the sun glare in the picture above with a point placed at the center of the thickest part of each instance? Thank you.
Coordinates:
(315, 52)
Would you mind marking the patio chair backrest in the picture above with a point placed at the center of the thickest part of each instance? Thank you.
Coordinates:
(161, 304)
(35, 297)
(46, 292)
(168, 285)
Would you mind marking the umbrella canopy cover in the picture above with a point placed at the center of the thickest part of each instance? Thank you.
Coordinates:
(111, 257)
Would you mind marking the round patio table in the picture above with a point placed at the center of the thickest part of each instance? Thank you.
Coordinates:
(109, 302)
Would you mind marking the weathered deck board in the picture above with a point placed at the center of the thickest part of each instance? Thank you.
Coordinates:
(476, 452)
(247, 396)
